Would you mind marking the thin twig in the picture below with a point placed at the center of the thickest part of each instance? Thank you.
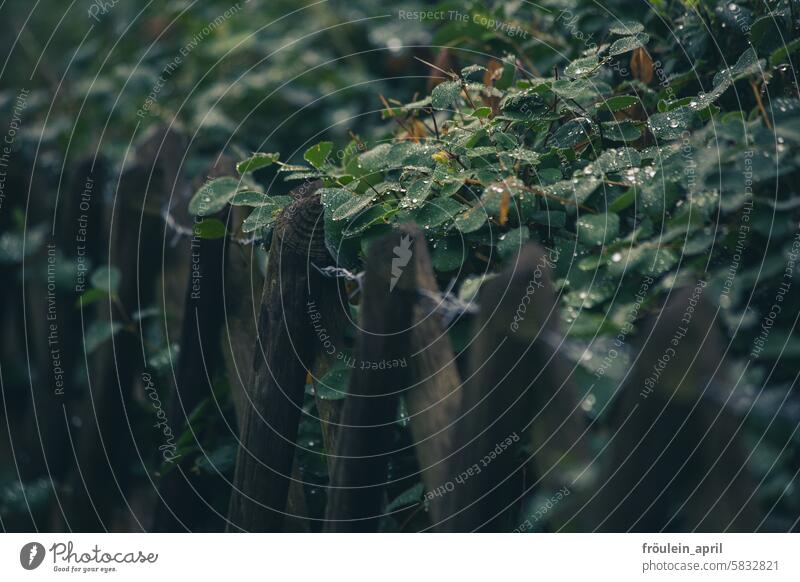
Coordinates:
(760, 103)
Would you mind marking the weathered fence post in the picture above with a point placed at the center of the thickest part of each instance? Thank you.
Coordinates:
(516, 383)
(677, 459)
(433, 396)
(243, 285)
(182, 504)
(100, 487)
(332, 311)
(356, 491)
(286, 348)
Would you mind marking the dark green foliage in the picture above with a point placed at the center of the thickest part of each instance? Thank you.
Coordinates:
(638, 140)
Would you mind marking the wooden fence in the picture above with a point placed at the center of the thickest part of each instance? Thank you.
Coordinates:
(674, 459)
(492, 426)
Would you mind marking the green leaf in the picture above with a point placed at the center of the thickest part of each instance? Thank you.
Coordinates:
(597, 229)
(482, 112)
(623, 201)
(213, 196)
(378, 158)
(657, 261)
(505, 140)
(345, 252)
(250, 198)
(91, 296)
(618, 103)
(551, 219)
(417, 193)
(317, 154)
(672, 124)
(355, 204)
(98, 332)
(435, 212)
(625, 131)
(627, 44)
(209, 228)
(451, 187)
(576, 190)
(445, 94)
(747, 64)
(448, 254)
(106, 278)
(573, 132)
(256, 162)
(577, 89)
(626, 27)
(265, 215)
(582, 67)
(472, 219)
(408, 497)
(376, 215)
(511, 242)
(333, 385)
(613, 160)
(779, 56)
(293, 168)
(524, 155)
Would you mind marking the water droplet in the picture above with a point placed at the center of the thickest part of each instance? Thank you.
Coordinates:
(588, 403)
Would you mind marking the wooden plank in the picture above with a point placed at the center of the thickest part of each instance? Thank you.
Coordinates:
(356, 493)
(433, 398)
(677, 460)
(106, 444)
(183, 497)
(517, 384)
(243, 285)
(286, 349)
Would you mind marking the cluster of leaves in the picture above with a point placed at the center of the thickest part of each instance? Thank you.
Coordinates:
(651, 154)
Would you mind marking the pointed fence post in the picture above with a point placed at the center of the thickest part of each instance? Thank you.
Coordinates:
(356, 493)
(517, 385)
(677, 457)
(286, 349)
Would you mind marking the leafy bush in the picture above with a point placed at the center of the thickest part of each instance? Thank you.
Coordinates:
(648, 145)
(663, 153)
(615, 161)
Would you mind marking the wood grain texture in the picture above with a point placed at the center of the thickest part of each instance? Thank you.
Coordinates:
(285, 350)
(677, 461)
(517, 388)
(356, 493)
(433, 397)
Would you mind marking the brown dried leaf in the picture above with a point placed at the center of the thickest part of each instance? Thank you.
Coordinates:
(642, 65)
(494, 71)
(505, 203)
